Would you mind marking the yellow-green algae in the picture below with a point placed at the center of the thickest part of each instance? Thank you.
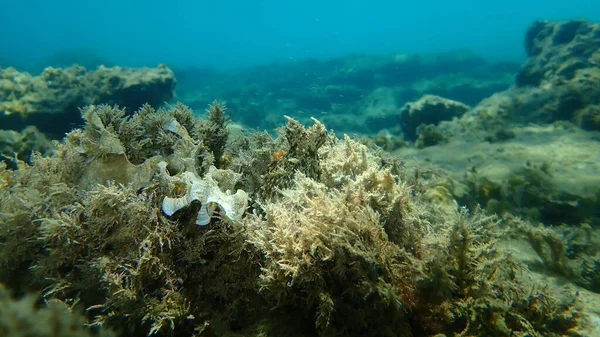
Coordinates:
(339, 240)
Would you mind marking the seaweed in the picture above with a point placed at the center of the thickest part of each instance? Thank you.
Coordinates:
(85, 223)
(27, 317)
(531, 191)
(338, 240)
(570, 251)
(358, 237)
(214, 131)
(473, 288)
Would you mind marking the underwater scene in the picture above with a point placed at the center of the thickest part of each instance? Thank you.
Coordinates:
(300, 168)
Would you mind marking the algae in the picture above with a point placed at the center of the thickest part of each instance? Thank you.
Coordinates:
(338, 240)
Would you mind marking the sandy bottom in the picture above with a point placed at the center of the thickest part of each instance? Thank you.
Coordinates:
(573, 156)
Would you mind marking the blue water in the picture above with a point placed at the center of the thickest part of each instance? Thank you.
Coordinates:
(228, 33)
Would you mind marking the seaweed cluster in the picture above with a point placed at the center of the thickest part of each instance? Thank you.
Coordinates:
(533, 192)
(570, 251)
(337, 240)
(26, 317)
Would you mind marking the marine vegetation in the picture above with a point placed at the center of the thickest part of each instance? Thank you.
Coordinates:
(303, 234)
(26, 317)
(571, 251)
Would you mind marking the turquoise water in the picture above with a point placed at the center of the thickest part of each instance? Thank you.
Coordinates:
(129, 219)
(228, 33)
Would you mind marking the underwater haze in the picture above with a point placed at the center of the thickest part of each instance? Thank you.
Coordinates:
(300, 168)
(230, 33)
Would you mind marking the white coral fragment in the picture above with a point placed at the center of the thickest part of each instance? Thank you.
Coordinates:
(208, 192)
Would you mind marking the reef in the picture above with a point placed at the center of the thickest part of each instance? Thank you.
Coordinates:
(356, 93)
(336, 238)
(51, 100)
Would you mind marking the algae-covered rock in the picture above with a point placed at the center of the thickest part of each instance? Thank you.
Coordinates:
(429, 109)
(559, 79)
(50, 101)
(22, 144)
(557, 50)
(564, 58)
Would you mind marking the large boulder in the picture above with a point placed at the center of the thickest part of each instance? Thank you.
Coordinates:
(20, 145)
(429, 109)
(562, 74)
(50, 101)
(560, 80)
(558, 51)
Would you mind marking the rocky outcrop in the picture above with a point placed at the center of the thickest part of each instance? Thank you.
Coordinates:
(562, 73)
(521, 151)
(560, 81)
(355, 93)
(50, 101)
(558, 51)
(20, 145)
(429, 109)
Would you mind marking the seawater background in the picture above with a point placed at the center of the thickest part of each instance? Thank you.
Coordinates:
(229, 34)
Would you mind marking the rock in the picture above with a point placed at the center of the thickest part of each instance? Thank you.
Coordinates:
(133, 87)
(522, 150)
(564, 63)
(51, 100)
(560, 81)
(351, 94)
(20, 145)
(557, 50)
(429, 109)
(428, 135)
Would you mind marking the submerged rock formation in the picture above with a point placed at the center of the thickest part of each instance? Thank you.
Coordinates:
(557, 85)
(558, 50)
(51, 100)
(355, 93)
(429, 109)
(559, 81)
(532, 151)
(16, 145)
(564, 58)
